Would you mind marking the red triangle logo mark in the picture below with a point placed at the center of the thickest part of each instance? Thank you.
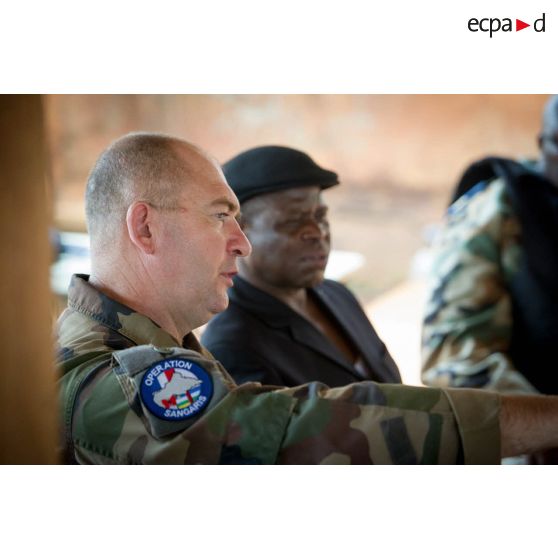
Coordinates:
(519, 25)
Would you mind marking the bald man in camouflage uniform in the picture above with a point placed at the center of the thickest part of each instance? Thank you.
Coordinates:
(492, 315)
(136, 386)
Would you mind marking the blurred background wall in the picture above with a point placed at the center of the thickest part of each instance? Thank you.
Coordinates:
(398, 157)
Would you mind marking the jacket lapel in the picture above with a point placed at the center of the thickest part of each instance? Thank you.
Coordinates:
(278, 315)
(359, 331)
(307, 334)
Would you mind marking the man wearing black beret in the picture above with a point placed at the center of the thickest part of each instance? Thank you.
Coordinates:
(285, 324)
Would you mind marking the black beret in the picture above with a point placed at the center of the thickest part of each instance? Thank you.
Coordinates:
(271, 168)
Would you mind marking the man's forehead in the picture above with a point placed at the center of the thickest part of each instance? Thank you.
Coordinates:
(207, 186)
(210, 194)
(198, 164)
(305, 195)
(215, 192)
(191, 152)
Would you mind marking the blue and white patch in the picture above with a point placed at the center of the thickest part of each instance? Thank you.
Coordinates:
(176, 389)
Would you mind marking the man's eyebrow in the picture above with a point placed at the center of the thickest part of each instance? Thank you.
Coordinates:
(227, 202)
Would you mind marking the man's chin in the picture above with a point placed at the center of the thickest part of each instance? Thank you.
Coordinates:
(315, 279)
(219, 305)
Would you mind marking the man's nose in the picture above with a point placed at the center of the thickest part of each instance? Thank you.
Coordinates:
(239, 245)
(315, 231)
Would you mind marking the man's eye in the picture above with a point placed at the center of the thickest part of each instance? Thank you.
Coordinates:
(290, 224)
(222, 216)
(295, 220)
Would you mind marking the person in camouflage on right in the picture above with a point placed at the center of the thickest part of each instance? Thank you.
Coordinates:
(492, 313)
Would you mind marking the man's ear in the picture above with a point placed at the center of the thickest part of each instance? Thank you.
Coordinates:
(138, 221)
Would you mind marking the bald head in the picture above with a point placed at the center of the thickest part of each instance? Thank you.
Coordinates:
(548, 141)
(139, 166)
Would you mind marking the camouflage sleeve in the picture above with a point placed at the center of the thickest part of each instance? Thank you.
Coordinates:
(111, 422)
(468, 321)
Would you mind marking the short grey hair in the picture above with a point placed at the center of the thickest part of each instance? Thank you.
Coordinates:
(137, 167)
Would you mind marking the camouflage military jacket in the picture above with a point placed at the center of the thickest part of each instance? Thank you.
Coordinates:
(117, 406)
(469, 319)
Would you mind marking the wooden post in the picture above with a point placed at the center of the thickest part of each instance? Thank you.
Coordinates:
(28, 400)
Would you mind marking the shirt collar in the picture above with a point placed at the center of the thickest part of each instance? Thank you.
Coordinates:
(86, 299)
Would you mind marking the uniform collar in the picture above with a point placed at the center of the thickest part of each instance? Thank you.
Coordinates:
(86, 299)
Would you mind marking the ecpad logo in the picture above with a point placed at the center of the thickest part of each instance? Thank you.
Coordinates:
(493, 25)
